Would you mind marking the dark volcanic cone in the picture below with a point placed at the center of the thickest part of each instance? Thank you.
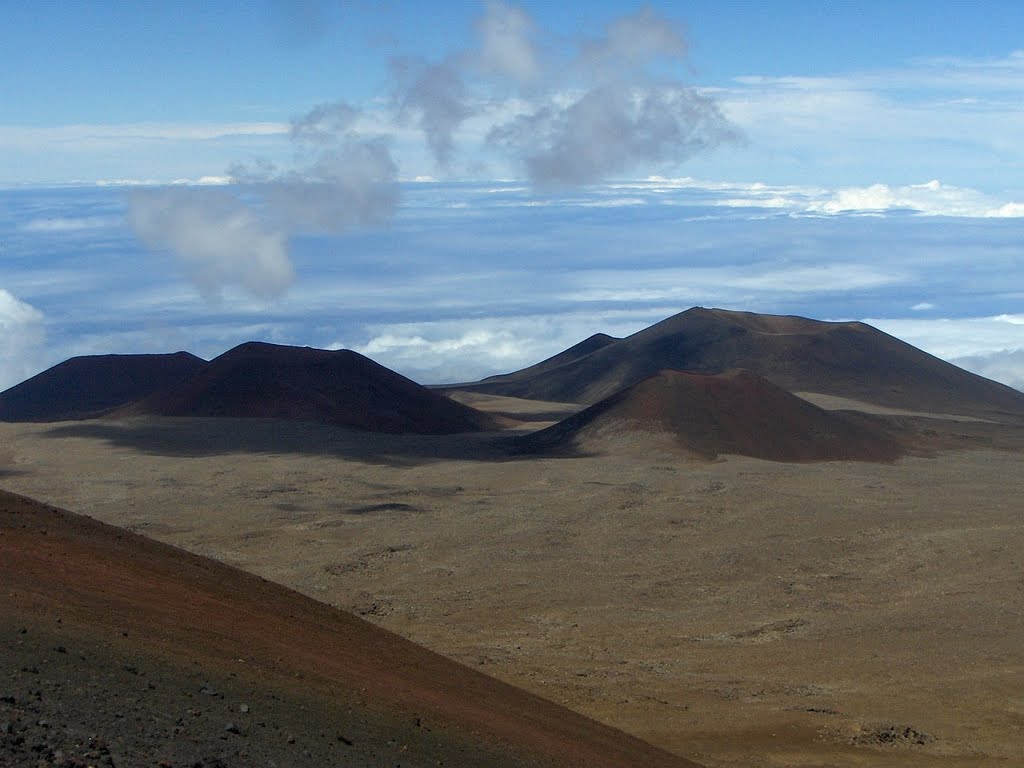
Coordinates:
(850, 360)
(84, 387)
(303, 384)
(736, 412)
(118, 650)
(571, 355)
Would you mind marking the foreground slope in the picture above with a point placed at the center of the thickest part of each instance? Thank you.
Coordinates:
(154, 647)
(83, 387)
(299, 383)
(736, 412)
(850, 360)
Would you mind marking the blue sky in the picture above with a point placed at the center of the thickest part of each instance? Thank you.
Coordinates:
(461, 188)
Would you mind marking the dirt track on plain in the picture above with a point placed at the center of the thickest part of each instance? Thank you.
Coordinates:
(738, 612)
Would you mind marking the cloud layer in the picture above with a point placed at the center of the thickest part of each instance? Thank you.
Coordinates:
(22, 333)
(473, 279)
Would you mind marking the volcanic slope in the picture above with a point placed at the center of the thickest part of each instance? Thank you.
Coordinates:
(140, 652)
(570, 355)
(84, 387)
(343, 388)
(736, 412)
(851, 360)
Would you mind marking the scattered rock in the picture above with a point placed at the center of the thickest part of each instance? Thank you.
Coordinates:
(889, 734)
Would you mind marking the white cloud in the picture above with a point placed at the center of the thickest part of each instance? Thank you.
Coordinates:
(1005, 367)
(220, 241)
(582, 114)
(447, 351)
(70, 224)
(100, 136)
(506, 43)
(22, 333)
(953, 338)
(732, 285)
(931, 198)
(612, 129)
(238, 236)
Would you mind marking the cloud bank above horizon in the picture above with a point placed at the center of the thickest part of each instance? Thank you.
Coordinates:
(470, 280)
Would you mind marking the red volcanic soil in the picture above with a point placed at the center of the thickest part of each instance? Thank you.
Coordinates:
(83, 387)
(117, 648)
(851, 360)
(258, 380)
(736, 412)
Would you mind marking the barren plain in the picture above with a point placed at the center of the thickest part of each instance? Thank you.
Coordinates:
(739, 612)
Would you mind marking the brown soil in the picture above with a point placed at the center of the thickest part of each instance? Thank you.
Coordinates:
(738, 612)
(79, 594)
(735, 413)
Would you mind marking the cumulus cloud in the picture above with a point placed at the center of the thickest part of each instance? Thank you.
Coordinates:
(932, 198)
(612, 129)
(579, 117)
(633, 41)
(238, 235)
(618, 117)
(434, 96)
(344, 178)
(507, 47)
(219, 239)
(22, 333)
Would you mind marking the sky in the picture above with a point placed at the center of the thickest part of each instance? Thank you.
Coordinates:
(458, 188)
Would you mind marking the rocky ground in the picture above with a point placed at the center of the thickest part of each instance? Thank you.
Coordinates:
(68, 700)
(116, 650)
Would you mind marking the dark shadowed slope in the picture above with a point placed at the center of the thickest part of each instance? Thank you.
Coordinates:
(851, 360)
(139, 651)
(571, 355)
(299, 383)
(736, 412)
(83, 387)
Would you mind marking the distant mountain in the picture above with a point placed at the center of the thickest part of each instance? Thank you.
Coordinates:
(737, 412)
(571, 355)
(299, 383)
(851, 360)
(84, 387)
(121, 623)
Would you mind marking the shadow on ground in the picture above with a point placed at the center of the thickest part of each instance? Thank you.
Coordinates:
(188, 437)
